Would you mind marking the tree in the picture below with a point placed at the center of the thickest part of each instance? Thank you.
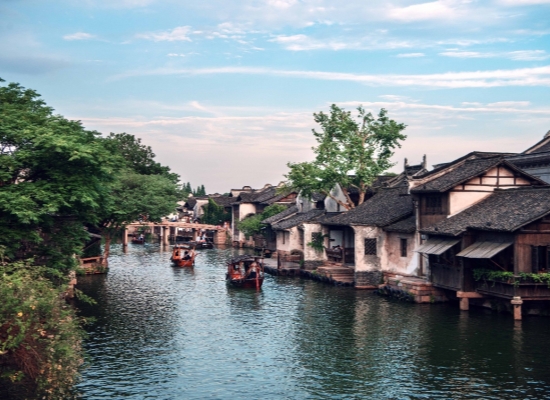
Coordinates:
(252, 225)
(214, 214)
(138, 157)
(54, 175)
(350, 153)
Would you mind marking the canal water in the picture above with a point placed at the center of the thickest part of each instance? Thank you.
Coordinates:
(171, 333)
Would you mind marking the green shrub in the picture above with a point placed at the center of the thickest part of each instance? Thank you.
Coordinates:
(40, 335)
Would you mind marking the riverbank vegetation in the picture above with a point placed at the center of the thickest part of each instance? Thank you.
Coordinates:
(252, 225)
(57, 182)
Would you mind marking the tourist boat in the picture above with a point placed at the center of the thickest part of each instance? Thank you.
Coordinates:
(183, 255)
(204, 243)
(245, 272)
(138, 240)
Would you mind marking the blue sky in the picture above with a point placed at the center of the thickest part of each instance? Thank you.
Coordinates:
(224, 91)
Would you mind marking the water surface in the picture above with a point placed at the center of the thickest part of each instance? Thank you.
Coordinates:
(174, 333)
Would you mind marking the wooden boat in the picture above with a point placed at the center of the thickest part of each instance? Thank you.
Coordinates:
(203, 244)
(183, 255)
(245, 272)
(138, 240)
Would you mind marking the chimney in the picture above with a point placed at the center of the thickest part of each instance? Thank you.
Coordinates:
(424, 162)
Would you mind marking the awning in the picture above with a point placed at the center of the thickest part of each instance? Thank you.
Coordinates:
(436, 246)
(484, 249)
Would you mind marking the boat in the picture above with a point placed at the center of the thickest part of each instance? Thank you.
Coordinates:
(203, 243)
(183, 255)
(245, 272)
(138, 240)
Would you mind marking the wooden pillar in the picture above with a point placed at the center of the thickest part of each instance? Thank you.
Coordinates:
(165, 236)
(516, 304)
(125, 237)
(464, 304)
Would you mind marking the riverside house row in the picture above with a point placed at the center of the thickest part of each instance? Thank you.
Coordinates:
(476, 229)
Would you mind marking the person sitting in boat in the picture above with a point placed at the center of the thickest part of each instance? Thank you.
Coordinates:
(186, 256)
(140, 237)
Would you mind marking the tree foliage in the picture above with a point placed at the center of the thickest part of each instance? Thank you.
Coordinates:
(137, 156)
(54, 175)
(214, 214)
(40, 335)
(252, 225)
(350, 152)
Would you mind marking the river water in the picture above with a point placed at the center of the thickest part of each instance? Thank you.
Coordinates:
(173, 333)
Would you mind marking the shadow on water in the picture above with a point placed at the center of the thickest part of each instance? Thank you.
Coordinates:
(171, 333)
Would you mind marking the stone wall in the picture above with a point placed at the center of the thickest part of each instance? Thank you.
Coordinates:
(367, 279)
(411, 288)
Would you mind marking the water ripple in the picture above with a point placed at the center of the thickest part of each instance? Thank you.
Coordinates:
(172, 333)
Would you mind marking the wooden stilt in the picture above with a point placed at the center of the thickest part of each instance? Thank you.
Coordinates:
(464, 304)
(516, 303)
(125, 237)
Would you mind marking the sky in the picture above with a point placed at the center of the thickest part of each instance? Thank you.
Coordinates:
(224, 91)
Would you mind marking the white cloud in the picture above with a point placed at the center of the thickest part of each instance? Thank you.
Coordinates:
(181, 33)
(301, 42)
(410, 55)
(539, 76)
(79, 36)
(520, 55)
(515, 3)
(435, 10)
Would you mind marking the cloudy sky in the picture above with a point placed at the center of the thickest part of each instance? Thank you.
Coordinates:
(224, 91)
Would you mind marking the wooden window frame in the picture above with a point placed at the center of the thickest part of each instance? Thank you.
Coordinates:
(370, 246)
(403, 246)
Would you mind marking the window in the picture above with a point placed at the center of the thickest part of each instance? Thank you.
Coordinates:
(284, 236)
(434, 205)
(539, 258)
(403, 243)
(370, 247)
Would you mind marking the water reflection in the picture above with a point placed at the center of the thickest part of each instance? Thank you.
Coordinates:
(164, 332)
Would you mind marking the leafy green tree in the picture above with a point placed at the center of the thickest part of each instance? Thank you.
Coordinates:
(138, 157)
(214, 214)
(252, 225)
(54, 175)
(350, 153)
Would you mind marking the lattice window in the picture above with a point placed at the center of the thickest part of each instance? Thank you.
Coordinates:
(434, 205)
(370, 247)
(403, 243)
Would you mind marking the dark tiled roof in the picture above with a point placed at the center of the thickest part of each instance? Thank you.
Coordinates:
(504, 210)
(282, 215)
(541, 146)
(465, 171)
(407, 225)
(297, 219)
(525, 160)
(327, 216)
(474, 155)
(224, 201)
(385, 207)
(191, 202)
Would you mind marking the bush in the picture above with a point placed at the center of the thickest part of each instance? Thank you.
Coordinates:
(40, 335)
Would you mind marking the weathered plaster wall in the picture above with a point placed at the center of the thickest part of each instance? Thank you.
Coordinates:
(395, 263)
(312, 257)
(291, 240)
(333, 206)
(365, 262)
(244, 210)
(304, 204)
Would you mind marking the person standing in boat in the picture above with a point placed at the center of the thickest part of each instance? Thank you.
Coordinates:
(253, 271)
(186, 256)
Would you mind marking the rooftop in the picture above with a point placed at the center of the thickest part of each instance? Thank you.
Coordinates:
(504, 211)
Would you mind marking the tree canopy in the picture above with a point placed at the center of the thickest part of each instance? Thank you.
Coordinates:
(350, 152)
(252, 225)
(53, 174)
